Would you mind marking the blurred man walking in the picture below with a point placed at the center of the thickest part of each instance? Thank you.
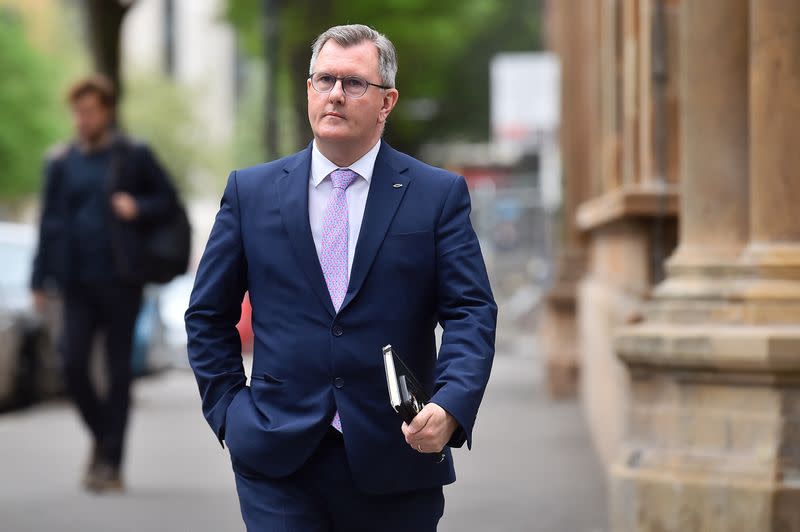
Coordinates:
(99, 189)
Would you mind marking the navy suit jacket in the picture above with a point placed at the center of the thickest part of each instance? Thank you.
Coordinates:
(417, 263)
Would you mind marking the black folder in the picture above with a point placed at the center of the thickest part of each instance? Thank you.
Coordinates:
(406, 394)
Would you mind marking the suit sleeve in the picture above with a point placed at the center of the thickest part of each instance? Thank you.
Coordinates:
(214, 346)
(467, 313)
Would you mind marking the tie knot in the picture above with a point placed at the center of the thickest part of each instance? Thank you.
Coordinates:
(343, 178)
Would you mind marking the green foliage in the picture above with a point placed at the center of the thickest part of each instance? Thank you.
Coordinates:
(31, 117)
(248, 134)
(248, 144)
(513, 26)
(444, 49)
(158, 111)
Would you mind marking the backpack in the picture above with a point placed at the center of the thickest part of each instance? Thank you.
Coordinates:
(165, 244)
(167, 247)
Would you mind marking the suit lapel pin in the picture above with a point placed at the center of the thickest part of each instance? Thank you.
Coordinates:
(398, 185)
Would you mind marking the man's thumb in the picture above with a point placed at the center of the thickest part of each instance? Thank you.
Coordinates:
(419, 421)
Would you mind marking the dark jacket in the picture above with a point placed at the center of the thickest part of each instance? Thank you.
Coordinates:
(133, 169)
(417, 263)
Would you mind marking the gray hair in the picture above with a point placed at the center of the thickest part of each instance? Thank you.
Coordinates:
(353, 34)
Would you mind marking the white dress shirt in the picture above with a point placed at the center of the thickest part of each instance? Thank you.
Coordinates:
(320, 188)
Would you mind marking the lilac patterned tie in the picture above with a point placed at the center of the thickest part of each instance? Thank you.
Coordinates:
(333, 251)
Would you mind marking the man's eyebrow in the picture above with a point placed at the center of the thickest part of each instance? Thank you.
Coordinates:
(333, 71)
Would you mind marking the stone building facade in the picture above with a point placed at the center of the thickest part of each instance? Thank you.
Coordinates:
(680, 265)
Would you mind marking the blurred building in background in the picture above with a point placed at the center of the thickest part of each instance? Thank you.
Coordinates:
(620, 146)
(515, 183)
(191, 42)
(684, 308)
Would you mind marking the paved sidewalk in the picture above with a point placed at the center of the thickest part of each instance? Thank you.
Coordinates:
(531, 469)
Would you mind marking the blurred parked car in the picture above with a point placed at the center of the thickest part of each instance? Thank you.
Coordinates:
(169, 341)
(29, 363)
(28, 366)
(245, 325)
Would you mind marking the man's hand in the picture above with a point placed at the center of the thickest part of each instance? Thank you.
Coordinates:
(430, 430)
(39, 301)
(124, 206)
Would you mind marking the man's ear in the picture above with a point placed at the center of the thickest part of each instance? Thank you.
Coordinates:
(390, 97)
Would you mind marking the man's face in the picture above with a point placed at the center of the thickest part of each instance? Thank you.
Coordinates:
(335, 117)
(90, 117)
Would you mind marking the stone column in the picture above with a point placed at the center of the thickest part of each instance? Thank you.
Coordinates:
(713, 39)
(775, 122)
(557, 332)
(774, 250)
(713, 439)
(609, 157)
(632, 49)
(630, 221)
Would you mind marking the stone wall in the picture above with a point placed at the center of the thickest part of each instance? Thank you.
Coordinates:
(689, 333)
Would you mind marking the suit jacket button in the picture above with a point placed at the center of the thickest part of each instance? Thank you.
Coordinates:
(338, 382)
(337, 331)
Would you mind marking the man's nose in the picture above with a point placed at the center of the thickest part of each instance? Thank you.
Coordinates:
(337, 92)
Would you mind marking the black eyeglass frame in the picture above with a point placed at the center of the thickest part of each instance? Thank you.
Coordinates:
(342, 79)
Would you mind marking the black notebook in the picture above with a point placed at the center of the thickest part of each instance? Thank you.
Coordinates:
(406, 394)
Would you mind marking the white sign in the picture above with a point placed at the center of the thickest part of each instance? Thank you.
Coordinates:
(525, 100)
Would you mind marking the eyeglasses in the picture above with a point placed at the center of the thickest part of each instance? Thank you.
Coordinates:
(353, 86)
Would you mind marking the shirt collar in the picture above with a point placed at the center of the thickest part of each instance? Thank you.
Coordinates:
(321, 166)
(109, 138)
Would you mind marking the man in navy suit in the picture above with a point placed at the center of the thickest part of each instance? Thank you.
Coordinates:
(344, 247)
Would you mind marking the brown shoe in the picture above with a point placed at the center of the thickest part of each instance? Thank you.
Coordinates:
(105, 478)
(91, 466)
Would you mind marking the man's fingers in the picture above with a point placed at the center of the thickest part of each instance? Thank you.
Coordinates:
(420, 420)
(413, 438)
(425, 431)
(428, 445)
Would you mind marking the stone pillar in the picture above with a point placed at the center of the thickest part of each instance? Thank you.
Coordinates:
(713, 39)
(775, 121)
(608, 51)
(630, 220)
(557, 332)
(774, 249)
(632, 49)
(713, 440)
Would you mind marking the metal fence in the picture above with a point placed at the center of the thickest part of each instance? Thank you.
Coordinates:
(516, 235)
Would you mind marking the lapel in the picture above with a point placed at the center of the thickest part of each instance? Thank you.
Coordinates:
(383, 200)
(293, 190)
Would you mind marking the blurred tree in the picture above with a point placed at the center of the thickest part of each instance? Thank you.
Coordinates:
(444, 49)
(31, 118)
(513, 26)
(160, 112)
(105, 24)
(248, 146)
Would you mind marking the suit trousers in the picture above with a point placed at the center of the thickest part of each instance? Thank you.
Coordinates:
(322, 497)
(110, 307)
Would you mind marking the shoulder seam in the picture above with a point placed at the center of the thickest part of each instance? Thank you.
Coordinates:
(446, 197)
